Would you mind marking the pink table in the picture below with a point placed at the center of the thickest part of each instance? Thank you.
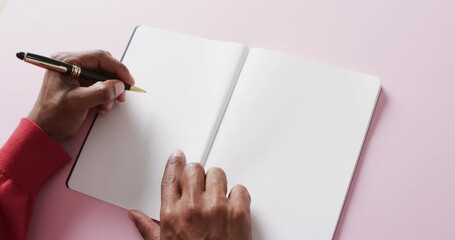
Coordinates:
(404, 187)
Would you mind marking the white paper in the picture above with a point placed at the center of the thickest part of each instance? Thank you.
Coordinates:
(292, 134)
(188, 82)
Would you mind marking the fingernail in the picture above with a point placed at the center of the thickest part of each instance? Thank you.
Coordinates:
(119, 88)
(178, 153)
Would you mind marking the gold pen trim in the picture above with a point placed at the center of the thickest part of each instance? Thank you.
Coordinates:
(76, 71)
(49, 66)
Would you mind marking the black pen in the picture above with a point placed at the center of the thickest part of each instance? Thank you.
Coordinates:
(68, 69)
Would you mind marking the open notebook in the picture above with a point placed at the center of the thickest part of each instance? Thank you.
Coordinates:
(289, 129)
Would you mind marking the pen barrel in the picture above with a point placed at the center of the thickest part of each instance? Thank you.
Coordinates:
(85, 74)
(64, 68)
(92, 76)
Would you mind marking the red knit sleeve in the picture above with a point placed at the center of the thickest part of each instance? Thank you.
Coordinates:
(27, 160)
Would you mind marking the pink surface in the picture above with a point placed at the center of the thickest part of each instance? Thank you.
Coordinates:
(404, 187)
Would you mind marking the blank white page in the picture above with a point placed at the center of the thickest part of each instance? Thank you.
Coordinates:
(188, 81)
(292, 134)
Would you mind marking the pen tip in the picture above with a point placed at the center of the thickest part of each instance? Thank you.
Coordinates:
(137, 89)
(20, 55)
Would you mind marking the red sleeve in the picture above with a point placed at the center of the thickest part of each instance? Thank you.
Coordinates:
(27, 160)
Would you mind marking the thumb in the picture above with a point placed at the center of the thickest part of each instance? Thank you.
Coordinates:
(148, 228)
(98, 93)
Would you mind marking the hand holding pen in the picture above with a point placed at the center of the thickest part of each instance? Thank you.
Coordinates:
(63, 102)
(67, 68)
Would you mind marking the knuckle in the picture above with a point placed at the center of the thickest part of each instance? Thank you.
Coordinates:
(191, 212)
(240, 215)
(218, 209)
(167, 216)
(104, 92)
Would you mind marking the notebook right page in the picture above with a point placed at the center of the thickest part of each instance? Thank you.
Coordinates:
(292, 134)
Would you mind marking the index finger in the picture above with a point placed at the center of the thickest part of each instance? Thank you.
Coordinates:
(98, 60)
(170, 185)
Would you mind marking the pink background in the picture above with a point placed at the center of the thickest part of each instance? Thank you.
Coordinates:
(404, 187)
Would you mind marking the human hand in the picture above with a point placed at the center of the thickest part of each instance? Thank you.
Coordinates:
(194, 205)
(63, 102)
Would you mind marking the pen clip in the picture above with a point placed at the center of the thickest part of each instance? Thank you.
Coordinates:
(49, 66)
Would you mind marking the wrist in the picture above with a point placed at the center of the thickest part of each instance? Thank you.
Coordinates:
(42, 124)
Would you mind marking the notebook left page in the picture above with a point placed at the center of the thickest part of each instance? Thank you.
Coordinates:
(188, 82)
